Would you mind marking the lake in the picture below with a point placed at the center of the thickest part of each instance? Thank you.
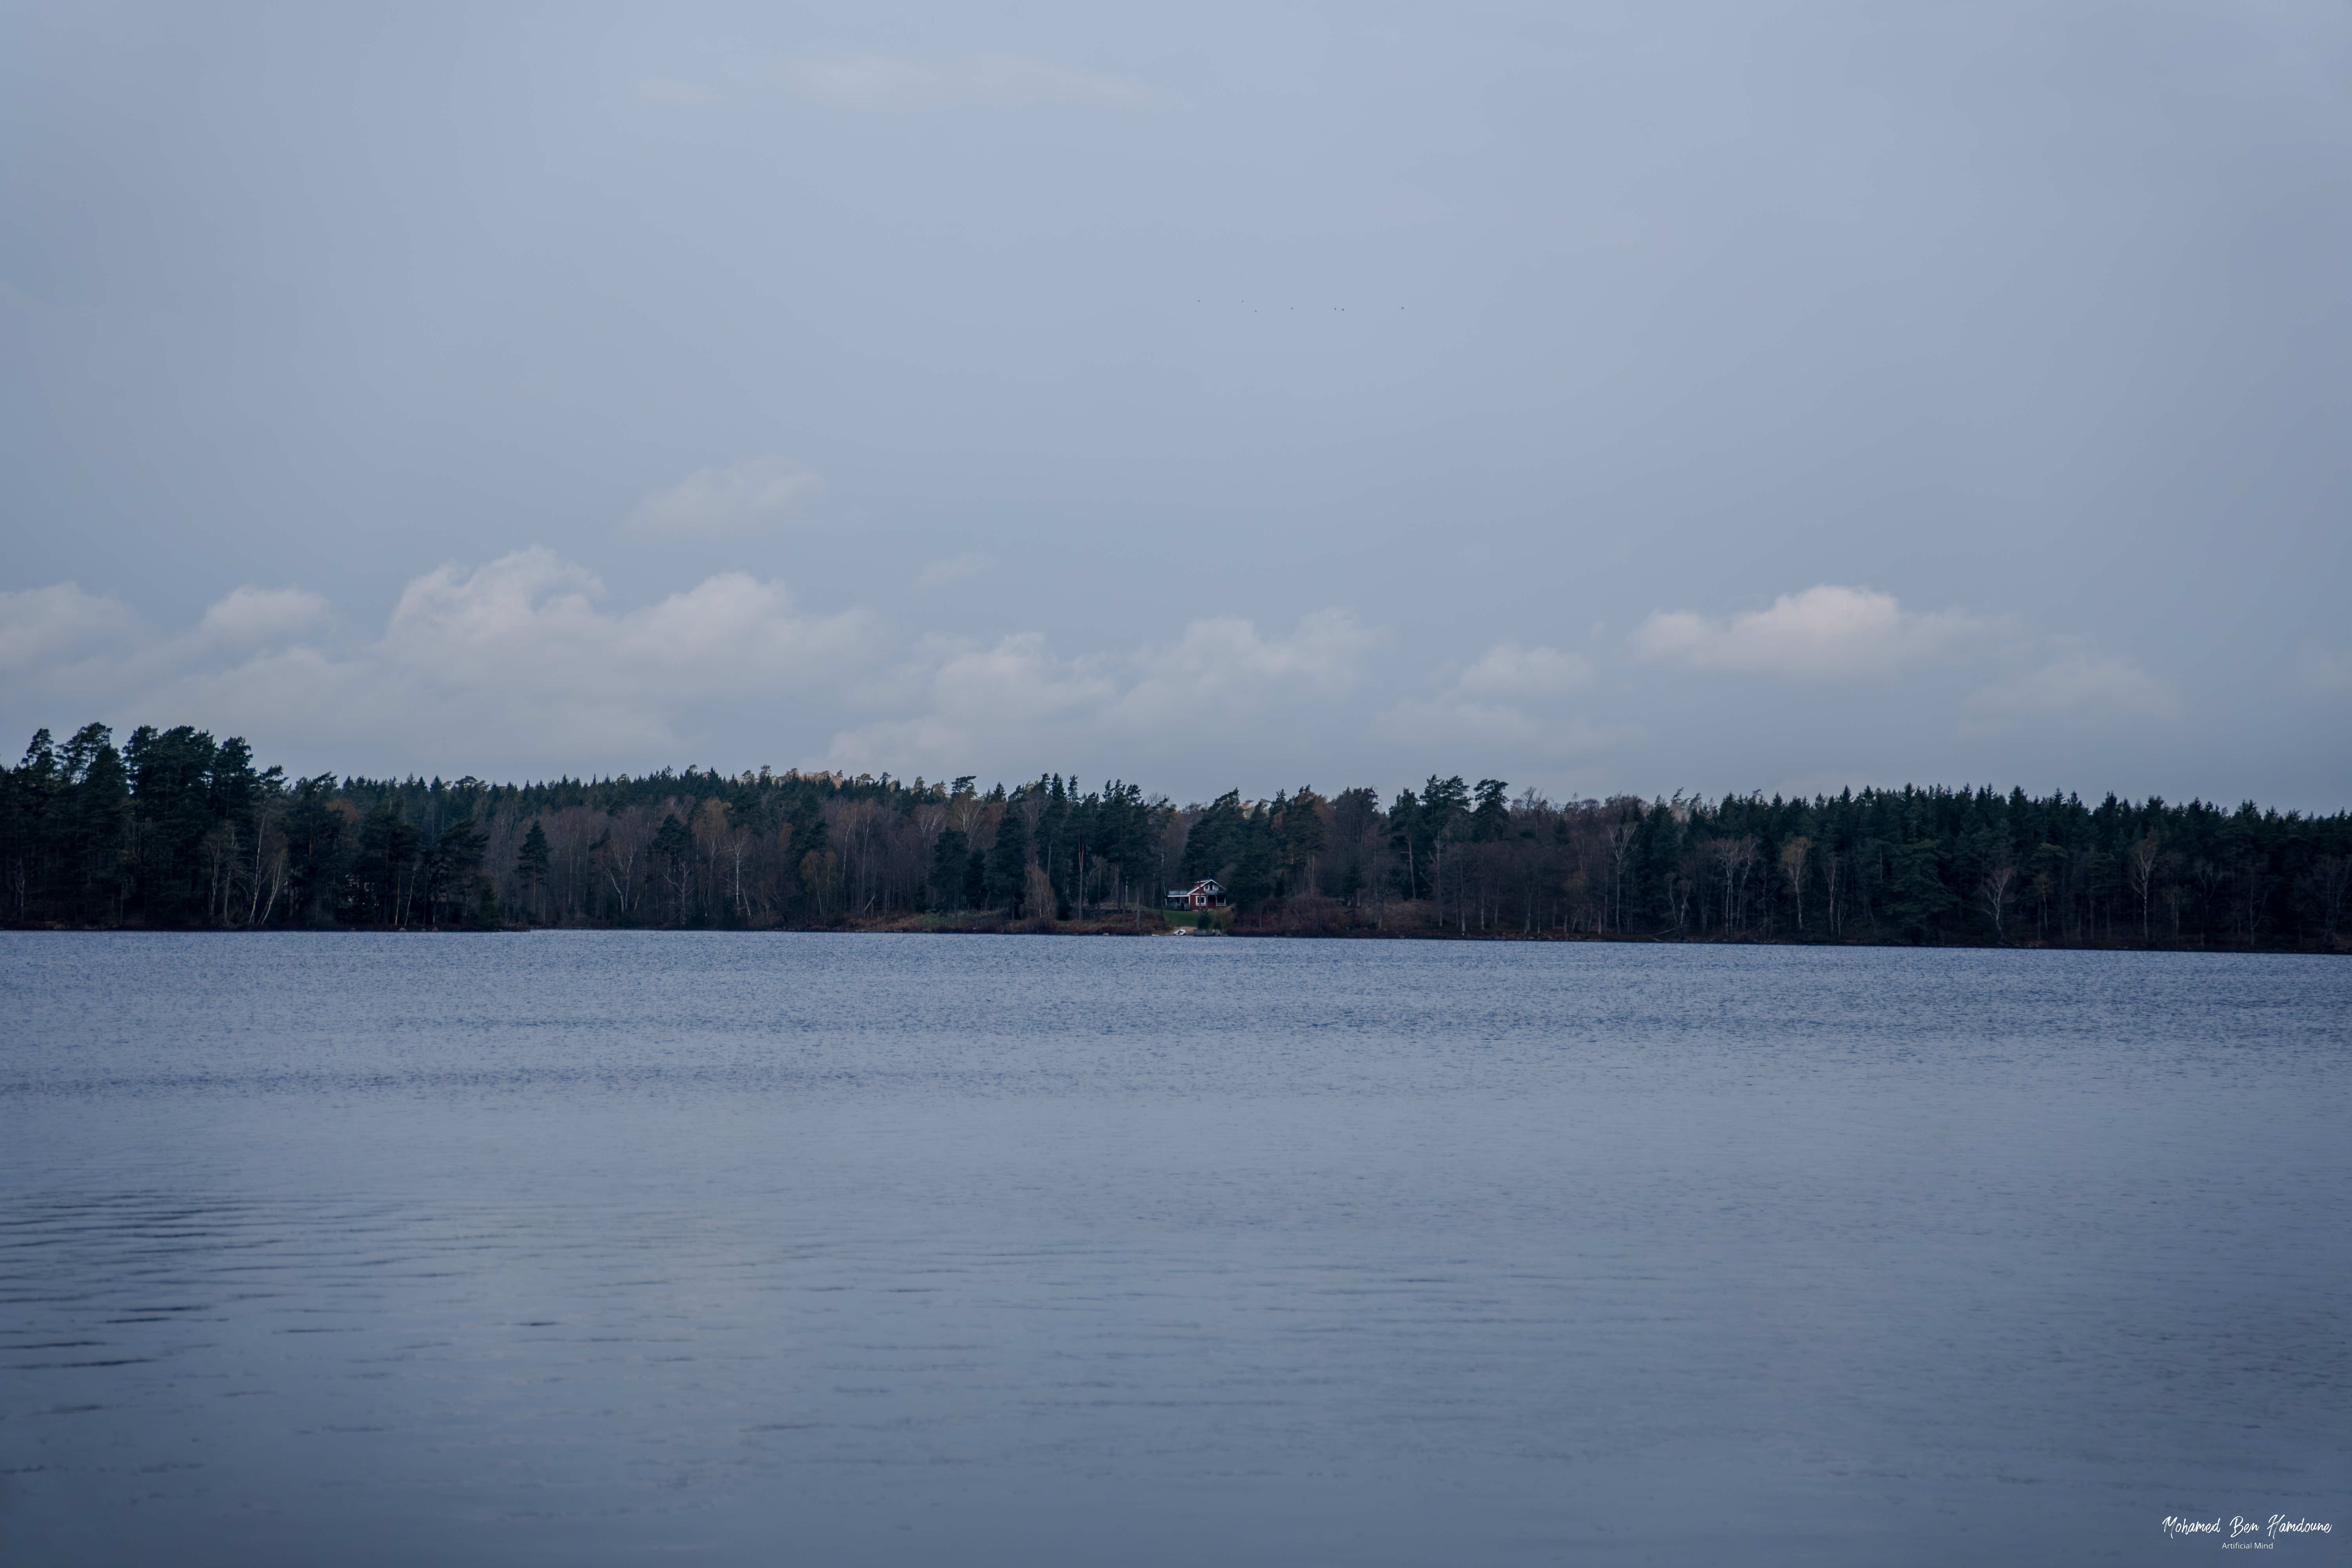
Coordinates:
(600, 1247)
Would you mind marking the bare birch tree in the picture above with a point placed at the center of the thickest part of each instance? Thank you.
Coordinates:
(1994, 890)
(1793, 855)
(2140, 863)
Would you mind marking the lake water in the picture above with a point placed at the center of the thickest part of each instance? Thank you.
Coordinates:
(605, 1248)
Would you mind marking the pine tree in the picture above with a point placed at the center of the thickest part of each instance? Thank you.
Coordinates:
(947, 858)
(1492, 819)
(530, 865)
(1919, 897)
(1008, 862)
(674, 853)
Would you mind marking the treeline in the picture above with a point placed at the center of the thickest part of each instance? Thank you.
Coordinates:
(175, 829)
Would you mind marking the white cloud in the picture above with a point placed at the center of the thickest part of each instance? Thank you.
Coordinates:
(76, 647)
(513, 663)
(2325, 668)
(249, 617)
(1012, 700)
(526, 624)
(1828, 633)
(1224, 666)
(521, 664)
(980, 702)
(2077, 682)
(882, 82)
(731, 502)
(39, 625)
(939, 573)
(1481, 707)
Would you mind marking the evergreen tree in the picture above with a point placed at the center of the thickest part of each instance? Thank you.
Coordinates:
(1403, 819)
(1008, 862)
(314, 849)
(96, 824)
(29, 796)
(1917, 897)
(450, 868)
(175, 830)
(1492, 819)
(948, 864)
(385, 874)
(1250, 877)
(1215, 843)
(1299, 838)
(674, 857)
(531, 862)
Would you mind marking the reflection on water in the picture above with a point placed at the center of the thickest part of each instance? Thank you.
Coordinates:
(582, 1247)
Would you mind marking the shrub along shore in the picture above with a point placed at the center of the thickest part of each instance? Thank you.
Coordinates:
(175, 830)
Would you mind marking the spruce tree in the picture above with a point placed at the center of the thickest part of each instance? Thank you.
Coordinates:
(531, 863)
(947, 858)
(1008, 862)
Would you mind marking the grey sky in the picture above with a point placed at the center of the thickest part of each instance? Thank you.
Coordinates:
(1617, 396)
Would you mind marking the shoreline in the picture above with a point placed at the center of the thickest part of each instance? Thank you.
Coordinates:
(923, 926)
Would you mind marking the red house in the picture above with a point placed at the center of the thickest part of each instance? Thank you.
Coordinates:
(1204, 894)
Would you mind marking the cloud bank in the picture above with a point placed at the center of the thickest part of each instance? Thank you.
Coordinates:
(521, 663)
(249, 617)
(1487, 705)
(524, 664)
(1826, 634)
(513, 663)
(2077, 683)
(755, 495)
(40, 626)
(1011, 703)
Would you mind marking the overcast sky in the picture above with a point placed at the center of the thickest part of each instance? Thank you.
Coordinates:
(1640, 396)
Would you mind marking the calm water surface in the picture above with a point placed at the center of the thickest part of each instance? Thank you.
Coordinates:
(606, 1247)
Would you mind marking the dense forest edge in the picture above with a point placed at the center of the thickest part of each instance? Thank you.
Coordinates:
(175, 830)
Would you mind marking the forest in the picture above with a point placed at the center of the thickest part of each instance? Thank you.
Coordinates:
(173, 829)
